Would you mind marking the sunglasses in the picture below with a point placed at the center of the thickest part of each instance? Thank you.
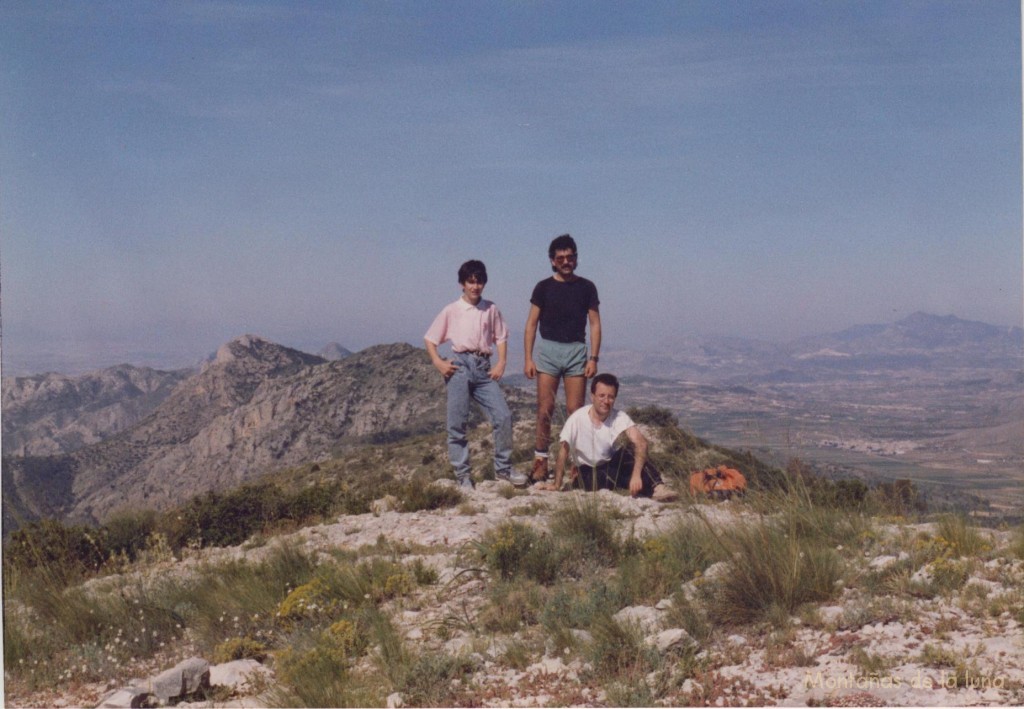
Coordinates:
(565, 259)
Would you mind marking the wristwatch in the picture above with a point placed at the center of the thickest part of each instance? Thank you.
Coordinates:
(593, 358)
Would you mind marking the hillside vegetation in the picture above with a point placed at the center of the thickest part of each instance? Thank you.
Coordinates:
(368, 579)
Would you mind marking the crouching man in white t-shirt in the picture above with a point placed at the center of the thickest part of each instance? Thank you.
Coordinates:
(588, 441)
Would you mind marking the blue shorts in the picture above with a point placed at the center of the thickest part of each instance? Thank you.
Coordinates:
(560, 359)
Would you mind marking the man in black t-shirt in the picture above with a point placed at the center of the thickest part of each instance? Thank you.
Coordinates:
(562, 306)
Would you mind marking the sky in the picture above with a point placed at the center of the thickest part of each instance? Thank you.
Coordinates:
(173, 175)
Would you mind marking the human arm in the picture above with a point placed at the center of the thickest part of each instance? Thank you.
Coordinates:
(499, 367)
(445, 367)
(635, 437)
(563, 457)
(530, 337)
(594, 316)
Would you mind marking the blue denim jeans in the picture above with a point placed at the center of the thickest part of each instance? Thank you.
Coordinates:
(471, 381)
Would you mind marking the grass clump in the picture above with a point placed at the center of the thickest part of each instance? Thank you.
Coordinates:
(959, 537)
(784, 559)
(588, 529)
(573, 607)
(870, 664)
(1017, 542)
(654, 568)
(512, 605)
(316, 668)
(240, 649)
(419, 493)
(423, 679)
(771, 572)
(514, 549)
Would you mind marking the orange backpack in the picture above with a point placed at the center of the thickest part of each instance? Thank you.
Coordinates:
(720, 482)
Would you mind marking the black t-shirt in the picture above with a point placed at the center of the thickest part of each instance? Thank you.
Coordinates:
(563, 308)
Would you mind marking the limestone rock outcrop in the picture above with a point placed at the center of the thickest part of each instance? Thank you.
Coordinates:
(255, 407)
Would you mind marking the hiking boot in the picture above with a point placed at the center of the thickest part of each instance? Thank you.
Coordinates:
(465, 483)
(512, 476)
(663, 493)
(540, 470)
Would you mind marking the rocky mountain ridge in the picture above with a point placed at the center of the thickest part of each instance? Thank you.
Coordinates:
(49, 414)
(255, 407)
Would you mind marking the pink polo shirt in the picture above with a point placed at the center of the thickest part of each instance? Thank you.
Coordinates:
(469, 327)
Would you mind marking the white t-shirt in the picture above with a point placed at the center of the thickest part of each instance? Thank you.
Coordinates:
(590, 444)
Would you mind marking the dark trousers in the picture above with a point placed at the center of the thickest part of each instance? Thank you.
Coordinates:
(616, 473)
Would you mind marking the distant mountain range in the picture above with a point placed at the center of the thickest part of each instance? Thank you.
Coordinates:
(126, 437)
(255, 407)
(918, 341)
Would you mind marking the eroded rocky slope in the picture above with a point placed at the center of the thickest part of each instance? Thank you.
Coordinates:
(257, 406)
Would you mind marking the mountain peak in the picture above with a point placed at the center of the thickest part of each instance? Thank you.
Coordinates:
(253, 348)
(927, 330)
(333, 351)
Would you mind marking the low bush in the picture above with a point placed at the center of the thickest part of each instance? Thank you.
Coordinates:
(772, 571)
(514, 549)
(575, 606)
(511, 605)
(66, 552)
(589, 530)
(654, 568)
(1017, 543)
(962, 538)
(239, 649)
(421, 494)
(127, 533)
(899, 497)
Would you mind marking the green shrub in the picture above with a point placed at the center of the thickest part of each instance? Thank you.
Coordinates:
(315, 669)
(514, 549)
(426, 680)
(511, 605)
(948, 575)
(577, 606)
(127, 533)
(1017, 542)
(772, 571)
(962, 538)
(310, 503)
(899, 497)
(224, 519)
(420, 494)
(654, 568)
(632, 693)
(240, 649)
(588, 530)
(66, 552)
(652, 416)
(619, 650)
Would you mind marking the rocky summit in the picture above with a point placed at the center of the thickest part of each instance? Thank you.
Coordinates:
(894, 630)
(255, 407)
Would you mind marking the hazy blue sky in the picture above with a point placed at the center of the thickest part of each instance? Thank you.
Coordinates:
(174, 174)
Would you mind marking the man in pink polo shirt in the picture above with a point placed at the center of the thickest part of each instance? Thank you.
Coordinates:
(476, 329)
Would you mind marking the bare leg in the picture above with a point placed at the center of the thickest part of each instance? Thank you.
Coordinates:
(575, 393)
(547, 390)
